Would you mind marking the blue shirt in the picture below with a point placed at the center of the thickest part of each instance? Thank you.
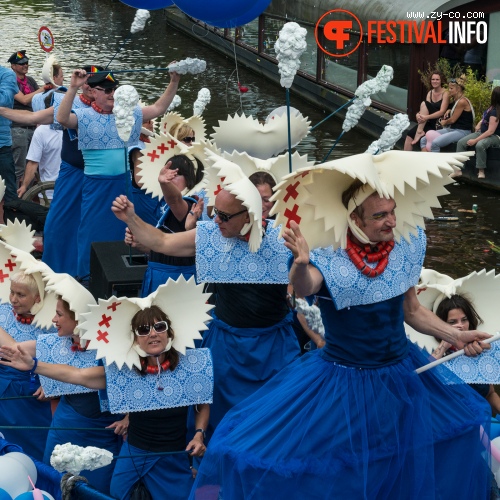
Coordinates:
(8, 89)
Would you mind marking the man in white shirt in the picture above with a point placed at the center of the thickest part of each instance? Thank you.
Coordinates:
(44, 154)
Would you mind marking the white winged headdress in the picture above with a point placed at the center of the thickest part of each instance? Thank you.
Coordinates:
(312, 197)
(108, 324)
(482, 287)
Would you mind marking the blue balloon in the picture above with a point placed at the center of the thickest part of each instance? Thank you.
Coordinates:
(148, 4)
(218, 12)
(4, 495)
(257, 9)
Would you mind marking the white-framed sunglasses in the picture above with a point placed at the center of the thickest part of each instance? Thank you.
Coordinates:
(145, 330)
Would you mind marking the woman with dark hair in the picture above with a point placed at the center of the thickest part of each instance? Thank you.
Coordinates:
(487, 134)
(265, 183)
(179, 175)
(459, 312)
(156, 437)
(433, 107)
(457, 122)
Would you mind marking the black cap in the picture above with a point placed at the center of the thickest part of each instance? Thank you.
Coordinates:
(104, 79)
(92, 68)
(18, 57)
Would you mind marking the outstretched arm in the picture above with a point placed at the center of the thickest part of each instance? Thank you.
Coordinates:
(304, 277)
(24, 117)
(21, 359)
(171, 192)
(175, 245)
(425, 321)
(160, 106)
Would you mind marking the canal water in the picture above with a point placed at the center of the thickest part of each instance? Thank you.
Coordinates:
(91, 31)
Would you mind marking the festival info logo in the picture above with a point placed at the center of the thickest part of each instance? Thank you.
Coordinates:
(343, 31)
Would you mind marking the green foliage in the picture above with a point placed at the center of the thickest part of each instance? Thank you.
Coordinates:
(477, 91)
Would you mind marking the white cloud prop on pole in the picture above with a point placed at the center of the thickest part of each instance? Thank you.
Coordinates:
(391, 134)
(201, 103)
(141, 16)
(290, 45)
(188, 65)
(176, 102)
(363, 93)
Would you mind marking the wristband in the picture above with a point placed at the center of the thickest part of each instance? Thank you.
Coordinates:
(202, 432)
(33, 374)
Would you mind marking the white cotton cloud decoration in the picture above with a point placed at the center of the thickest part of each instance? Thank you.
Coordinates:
(141, 16)
(176, 102)
(126, 99)
(72, 458)
(391, 134)
(188, 65)
(201, 103)
(290, 45)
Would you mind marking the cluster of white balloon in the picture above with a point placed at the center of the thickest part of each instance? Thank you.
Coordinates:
(18, 478)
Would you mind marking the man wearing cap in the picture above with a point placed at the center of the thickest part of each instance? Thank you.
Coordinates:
(67, 198)
(27, 88)
(8, 89)
(106, 167)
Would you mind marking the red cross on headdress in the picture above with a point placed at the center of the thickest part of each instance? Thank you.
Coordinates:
(292, 215)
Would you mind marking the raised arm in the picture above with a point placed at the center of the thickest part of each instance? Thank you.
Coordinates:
(21, 359)
(304, 277)
(64, 115)
(425, 321)
(160, 106)
(171, 193)
(175, 245)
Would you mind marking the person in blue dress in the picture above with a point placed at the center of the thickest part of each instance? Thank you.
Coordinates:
(354, 420)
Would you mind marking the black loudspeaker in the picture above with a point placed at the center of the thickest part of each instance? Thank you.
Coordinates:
(112, 272)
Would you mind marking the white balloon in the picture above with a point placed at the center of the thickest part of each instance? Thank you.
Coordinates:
(27, 462)
(13, 477)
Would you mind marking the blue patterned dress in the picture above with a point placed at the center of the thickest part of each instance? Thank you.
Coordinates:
(354, 420)
(25, 411)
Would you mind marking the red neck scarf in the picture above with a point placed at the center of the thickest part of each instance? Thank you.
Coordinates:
(358, 254)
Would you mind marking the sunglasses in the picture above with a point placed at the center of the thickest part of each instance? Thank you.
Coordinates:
(145, 330)
(106, 91)
(22, 64)
(188, 139)
(227, 217)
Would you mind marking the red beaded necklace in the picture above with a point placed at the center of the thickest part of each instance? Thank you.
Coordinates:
(379, 254)
(25, 320)
(100, 110)
(85, 100)
(154, 370)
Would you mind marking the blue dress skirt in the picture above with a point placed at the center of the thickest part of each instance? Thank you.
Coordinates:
(324, 430)
(98, 223)
(245, 359)
(67, 416)
(158, 273)
(63, 219)
(165, 476)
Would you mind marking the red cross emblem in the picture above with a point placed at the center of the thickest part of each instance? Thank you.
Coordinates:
(105, 321)
(292, 215)
(303, 174)
(102, 336)
(11, 265)
(219, 186)
(114, 305)
(153, 155)
(291, 190)
(3, 276)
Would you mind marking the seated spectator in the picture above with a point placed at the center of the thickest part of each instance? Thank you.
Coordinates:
(458, 122)
(486, 134)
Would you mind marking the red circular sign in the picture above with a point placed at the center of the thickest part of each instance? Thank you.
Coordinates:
(45, 39)
(337, 29)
